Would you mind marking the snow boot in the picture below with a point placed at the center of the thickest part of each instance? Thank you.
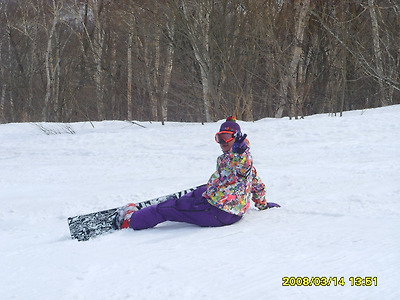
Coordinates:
(124, 214)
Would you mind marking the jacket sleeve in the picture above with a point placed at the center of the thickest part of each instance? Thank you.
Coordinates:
(258, 191)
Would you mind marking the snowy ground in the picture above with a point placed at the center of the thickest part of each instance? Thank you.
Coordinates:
(337, 179)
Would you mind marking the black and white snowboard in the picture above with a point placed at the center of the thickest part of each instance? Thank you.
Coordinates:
(85, 227)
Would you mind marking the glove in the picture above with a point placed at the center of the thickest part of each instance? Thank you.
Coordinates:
(240, 145)
(272, 204)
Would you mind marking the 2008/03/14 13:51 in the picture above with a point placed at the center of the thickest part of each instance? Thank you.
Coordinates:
(328, 281)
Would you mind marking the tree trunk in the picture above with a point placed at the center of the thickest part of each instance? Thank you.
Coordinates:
(49, 68)
(98, 76)
(198, 34)
(167, 73)
(58, 106)
(378, 52)
(3, 89)
(11, 80)
(296, 65)
(130, 66)
(113, 75)
(33, 63)
(344, 82)
(96, 40)
(293, 78)
(283, 95)
(152, 69)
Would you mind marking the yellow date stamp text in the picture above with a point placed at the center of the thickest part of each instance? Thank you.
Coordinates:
(329, 281)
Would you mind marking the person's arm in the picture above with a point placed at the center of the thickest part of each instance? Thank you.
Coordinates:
(258, 190)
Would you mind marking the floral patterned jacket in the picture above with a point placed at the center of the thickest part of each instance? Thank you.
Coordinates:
(235, 183)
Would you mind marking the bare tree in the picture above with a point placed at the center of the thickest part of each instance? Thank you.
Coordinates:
(93, 24)
(170, 36)
(3, 88)
(9, 62)
(50, 62)
(154, 30)
(378, 52)
(97, 44)
(129, 98)
(294, 76)
(3, 85)
(197, 20)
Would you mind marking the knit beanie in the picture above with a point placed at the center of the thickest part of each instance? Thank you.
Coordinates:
(230, 125)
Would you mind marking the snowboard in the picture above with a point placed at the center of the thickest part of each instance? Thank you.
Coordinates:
(85, 227)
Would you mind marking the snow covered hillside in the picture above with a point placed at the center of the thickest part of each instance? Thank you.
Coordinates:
(337, 179)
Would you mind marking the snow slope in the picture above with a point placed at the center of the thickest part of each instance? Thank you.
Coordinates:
(337, 180)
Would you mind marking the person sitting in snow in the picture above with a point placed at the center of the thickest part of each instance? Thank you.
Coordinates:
(222, 201)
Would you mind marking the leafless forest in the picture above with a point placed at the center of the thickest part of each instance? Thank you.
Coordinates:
(195, 60)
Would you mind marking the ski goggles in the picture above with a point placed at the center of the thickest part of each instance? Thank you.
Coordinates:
(224, 137)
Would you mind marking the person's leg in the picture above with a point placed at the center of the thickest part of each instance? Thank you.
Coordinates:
(191, 208)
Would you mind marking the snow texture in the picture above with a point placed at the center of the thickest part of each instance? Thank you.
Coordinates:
(337, 179)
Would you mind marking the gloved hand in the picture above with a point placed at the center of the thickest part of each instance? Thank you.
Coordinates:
(272, 204)
(240, 145)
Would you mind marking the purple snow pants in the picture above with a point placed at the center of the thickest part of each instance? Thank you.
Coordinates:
(191, 208)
